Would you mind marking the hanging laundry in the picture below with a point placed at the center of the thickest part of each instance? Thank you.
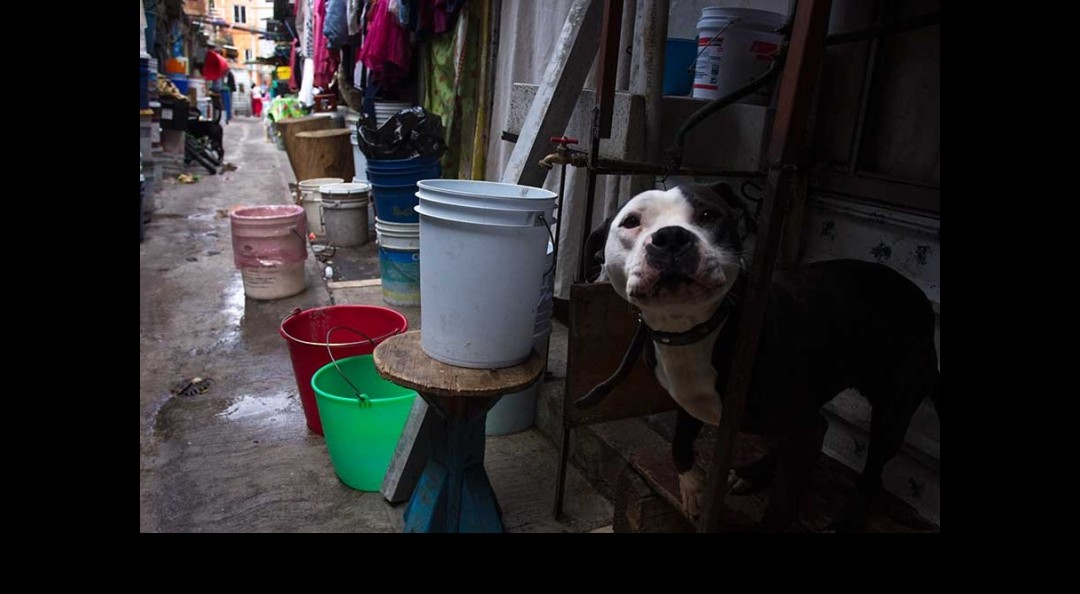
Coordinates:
(386, 42)
(336, 26)
(353, 14)
(326, 61)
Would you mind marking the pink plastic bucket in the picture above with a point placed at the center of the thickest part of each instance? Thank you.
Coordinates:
(270, 248)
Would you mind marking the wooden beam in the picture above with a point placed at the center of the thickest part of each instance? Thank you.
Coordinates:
(785, 154)
(558, 93)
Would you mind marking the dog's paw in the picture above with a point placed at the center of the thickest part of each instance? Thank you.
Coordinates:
(691, 485)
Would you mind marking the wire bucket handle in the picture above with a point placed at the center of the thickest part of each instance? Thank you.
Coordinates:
(362, 399)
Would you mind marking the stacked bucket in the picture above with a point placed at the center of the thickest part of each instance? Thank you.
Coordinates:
(397, 225)
(516, 412)
(485, 259)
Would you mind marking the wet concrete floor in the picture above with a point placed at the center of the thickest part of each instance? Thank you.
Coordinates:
(239, 458)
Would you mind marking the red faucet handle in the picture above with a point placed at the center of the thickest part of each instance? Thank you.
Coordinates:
(563, 140)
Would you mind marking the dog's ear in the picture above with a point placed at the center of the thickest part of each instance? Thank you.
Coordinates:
(594, 251)
(736, 202)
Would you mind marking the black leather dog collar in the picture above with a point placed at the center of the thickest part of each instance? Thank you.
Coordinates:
(696, 333)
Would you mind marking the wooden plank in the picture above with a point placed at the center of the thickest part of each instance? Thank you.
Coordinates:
(401, 360)
(559, 89)
(601, 327)
(829, 488)
(410, 456)
(354, 284)
(639, 509)
(796, 92)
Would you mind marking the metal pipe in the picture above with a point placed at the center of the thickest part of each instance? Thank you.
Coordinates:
(675, 150)
(624, 167)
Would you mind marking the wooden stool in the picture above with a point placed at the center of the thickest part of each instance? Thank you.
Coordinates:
(453, 494)
(290, 127)
(323, 153)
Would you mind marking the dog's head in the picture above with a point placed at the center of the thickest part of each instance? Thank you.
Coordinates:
(679, 249)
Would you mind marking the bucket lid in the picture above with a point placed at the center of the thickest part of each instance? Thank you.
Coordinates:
(315, 183)
(749, 15)
(346, 188)
(485, 189)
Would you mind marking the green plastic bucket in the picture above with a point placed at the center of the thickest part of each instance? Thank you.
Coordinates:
(361, 433)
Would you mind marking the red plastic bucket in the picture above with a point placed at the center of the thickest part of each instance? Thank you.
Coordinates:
(305, 333)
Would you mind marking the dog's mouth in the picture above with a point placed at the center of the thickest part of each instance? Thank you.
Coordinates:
(673, 285)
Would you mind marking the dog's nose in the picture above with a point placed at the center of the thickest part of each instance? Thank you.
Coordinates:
(671, 241)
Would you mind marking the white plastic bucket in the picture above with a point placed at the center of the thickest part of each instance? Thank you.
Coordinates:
(482, 216)
(399, 262)
(384, 110)
(485, 194)
(308, 196)
(346, 222)
(479, 287)
(516, 412)
(371, 203)
(740, 42)
(359, 160)
(345, 213)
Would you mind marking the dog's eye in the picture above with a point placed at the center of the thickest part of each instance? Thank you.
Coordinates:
(630, 222)
(708, 215)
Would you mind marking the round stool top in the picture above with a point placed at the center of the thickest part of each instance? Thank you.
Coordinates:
(330, 133)
(401, 360)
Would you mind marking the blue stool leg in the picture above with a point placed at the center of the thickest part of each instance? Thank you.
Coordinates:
(454, 493)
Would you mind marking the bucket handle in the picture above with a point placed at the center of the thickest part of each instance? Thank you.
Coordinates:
(362, 399)
(693, 65)
(547, 225)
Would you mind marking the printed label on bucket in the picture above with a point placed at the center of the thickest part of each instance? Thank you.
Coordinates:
(707, 68)
(400, 271)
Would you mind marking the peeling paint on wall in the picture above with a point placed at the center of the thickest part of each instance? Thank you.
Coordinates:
(921, 252)
(882, 252)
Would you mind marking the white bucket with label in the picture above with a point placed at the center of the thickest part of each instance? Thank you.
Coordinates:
(516, 412)
(735, 46)
(345, 213)
(307, 195)
(480, 282)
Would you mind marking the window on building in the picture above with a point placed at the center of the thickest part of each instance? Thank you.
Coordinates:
(247, 55)
(239, 14)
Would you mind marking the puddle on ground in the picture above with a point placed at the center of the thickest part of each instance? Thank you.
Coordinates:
(259, 408)
(233, 306)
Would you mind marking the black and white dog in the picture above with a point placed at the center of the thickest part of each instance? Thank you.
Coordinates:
(677, 255)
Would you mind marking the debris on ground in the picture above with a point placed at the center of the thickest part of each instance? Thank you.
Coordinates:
(228, 167)
(187, 178)
(190, 387)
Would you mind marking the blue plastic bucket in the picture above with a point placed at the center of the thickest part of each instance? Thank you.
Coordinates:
(144, 83)
(400, 172)
(399, 262)
(393, 183)
(679, 57)
(181, 82)
(394, 204)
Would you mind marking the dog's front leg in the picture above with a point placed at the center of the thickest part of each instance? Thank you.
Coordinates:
(691, 478)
